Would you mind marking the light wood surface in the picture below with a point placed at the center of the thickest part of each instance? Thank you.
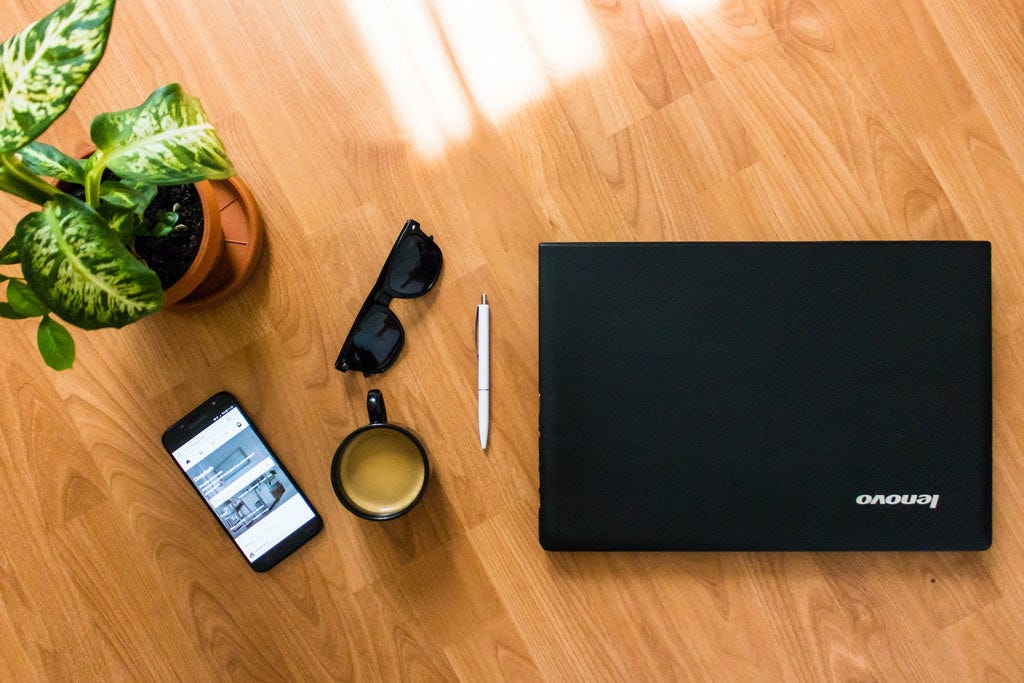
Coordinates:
(499, 125)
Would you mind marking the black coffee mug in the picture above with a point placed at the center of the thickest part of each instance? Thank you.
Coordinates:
(380, 470)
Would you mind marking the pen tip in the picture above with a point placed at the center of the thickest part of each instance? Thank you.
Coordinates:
(483, 299)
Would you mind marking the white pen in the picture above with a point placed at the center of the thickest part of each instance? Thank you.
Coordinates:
(483, 368)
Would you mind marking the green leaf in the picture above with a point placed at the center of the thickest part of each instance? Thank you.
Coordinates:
(88, 163)
(134, 197)
(7, 311)
(9, 185)
(166, 140)
(18, 180)
(55, 344)
(51, 162)
(170, 218)
(165, 223)
(23, 300)
(122, 221)
(80, 270)
(9, 254)
(162, 231)
(42, 68)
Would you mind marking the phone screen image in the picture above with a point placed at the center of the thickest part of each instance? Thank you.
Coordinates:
(243, 483)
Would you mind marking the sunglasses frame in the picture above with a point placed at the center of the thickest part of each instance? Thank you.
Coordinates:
(381, 296)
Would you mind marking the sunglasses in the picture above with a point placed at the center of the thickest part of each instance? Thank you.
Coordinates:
(376, 337)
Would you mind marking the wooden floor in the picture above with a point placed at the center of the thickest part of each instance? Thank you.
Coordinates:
(499, 125)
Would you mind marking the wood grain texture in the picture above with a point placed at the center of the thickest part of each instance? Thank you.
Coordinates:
(663, 120)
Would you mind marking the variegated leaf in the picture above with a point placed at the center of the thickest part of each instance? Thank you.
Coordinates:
(42, 68)
(80, 270)
(166, 140)
(127, 196)
(49, 161)
(123, 221)
(14, 181)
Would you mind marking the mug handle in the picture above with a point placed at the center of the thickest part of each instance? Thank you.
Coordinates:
(375, 407)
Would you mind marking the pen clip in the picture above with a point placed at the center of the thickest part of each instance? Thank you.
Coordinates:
(476, 325)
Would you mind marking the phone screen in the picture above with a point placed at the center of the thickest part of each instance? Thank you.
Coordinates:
(243, 483)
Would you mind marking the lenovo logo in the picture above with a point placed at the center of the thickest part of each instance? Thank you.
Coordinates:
(931, 500)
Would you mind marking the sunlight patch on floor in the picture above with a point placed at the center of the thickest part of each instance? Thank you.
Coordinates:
(687, 8)
(493, 53)
(508, 51)
(414, 67)
(439, 59)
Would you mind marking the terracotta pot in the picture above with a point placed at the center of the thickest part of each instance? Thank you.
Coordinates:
(211, 248)
(241, 229)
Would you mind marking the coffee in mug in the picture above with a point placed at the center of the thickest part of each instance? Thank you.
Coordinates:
(380, 470)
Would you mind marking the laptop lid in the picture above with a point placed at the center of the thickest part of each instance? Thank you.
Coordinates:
(765, 396)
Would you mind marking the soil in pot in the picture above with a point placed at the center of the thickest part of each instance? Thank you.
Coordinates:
(170, 256)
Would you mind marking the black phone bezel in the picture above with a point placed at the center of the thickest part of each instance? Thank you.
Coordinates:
(198, 419)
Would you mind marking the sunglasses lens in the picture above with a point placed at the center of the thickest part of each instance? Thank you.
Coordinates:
(376, 341)
(376, 337)
(414, 266)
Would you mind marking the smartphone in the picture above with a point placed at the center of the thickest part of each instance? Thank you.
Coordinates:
(243, 483)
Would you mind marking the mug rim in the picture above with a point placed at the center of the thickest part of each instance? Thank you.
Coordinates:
(339, 491)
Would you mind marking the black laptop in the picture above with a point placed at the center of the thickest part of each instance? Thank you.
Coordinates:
(766, 396)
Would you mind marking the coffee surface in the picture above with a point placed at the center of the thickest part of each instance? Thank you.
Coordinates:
(381, 471)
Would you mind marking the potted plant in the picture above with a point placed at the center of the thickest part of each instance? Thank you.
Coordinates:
(88, 254)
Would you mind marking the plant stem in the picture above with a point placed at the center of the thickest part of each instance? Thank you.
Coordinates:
(92, 181)
(18, 180)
